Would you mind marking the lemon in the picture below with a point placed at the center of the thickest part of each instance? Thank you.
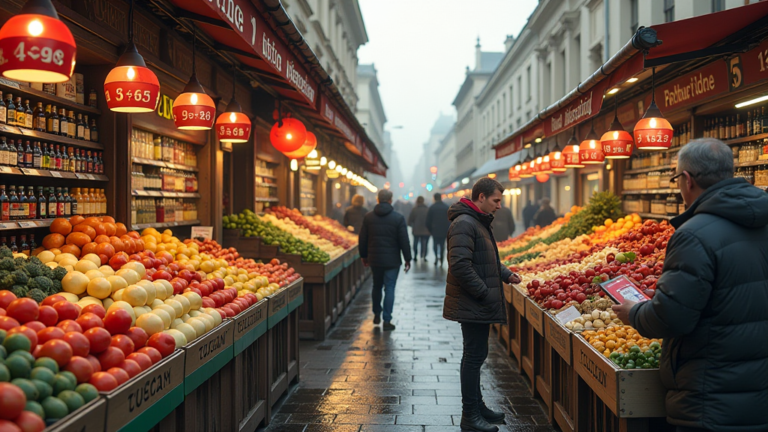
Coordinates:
(99, 287)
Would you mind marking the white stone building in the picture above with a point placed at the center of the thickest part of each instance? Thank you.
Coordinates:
(370, 113)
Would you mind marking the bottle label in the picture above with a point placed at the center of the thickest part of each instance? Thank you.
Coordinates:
(20, 158)
(37, 161)
(54, 126)
(28, 159)
(11, 116)
(21, 118)
(51, 209)
(60, 209)
(94, 135)
(29, 121)
(4, 157)
(24, 211)
(2, 115)
(43, 210)
(87, 133)
(68, 208)
(80, 131)
(33, 210)
(15, 210)
(74, 208)
(5, 213)
(71, 129)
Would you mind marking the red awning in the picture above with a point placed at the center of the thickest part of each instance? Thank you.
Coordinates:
(585, 101)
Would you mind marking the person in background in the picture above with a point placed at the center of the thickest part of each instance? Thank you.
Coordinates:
(546, 214)
(709, 305)
(503, 224)
(528, 213)
(383, 238)
(417, 220)
(353, 217)
(337, 214)
(437, 224)
(474, 293)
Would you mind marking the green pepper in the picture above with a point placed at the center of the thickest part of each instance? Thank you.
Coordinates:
(655, 346)
(630, 365)
(634, 349)
(648, 353)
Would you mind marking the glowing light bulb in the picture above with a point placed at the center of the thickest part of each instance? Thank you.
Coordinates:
(289, 136)
(131, 73)
(232, 117)
(615, 135)
(653, 122)
(558, 155)
(35, 28)
(294, 165)
(592, 144)
(193, 99)
(331, 164)
(313, 154)
(323, 161)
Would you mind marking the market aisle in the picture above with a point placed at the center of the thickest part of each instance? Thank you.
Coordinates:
(363, 379)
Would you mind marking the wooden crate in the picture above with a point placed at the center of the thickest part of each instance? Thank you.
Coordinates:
(90, 417)
(634, 393)
(314, 315)
(295, 294)
(249, 369)
(563, 410)
(147, 398)
(540, 349)
(247, 247)
(516, 321)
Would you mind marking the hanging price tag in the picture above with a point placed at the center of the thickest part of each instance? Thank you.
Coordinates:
(56, 174)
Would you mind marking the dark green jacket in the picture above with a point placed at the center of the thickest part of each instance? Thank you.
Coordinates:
(711, 308)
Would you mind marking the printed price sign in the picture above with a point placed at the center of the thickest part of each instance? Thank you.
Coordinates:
(27, 224)
(205, 232)
(7, 170)
(56, 174)
(568, 315)
(32, 172)
(8, 225)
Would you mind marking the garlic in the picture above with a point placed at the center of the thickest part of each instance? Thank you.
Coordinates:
(587, 317)
(569, 325)
(598, 323)
(588, 325)
(605, 316)
(578, 327)
(595, 314)
(613, 315)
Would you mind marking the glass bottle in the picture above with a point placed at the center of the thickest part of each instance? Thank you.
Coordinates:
(37, 156)
(3, 110)
(94, 202)
(86, 129)
(28, 155)
(63, 123)
(72, 160)
(23, 204)
(94, 131)
(59, 203)
(86, 202)
(5, 205)
(13, 246)
(28, 118)
(103, 202)
(100, 163)
(12, 156)
(57, 159)
(71, 125)
(32, 199)
(67, 202)
(32, 244)
(46, 157)
(42, 204)
(4, 151)
(75, 197)
(38, 118)
(92, 100)
(10, 110)
(64, 159)
(52, 203)
(20, 155)
(15, 209)
(21, 113)
(25, 246)
(89, 163)
(52, 123)
(80, 134)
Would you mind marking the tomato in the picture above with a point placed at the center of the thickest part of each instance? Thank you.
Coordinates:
(58, 350)
(88, 320)
(26, 331)
(117, 321)
(103, 381)
(12, 401)
(162, 342)
(9, 426)
(131, 367)
(138, 335)
(98, 338)
(6, 297)
(66, 310)
(7, 323)
(120, 375)
(49, 333)
(123, 342)
(35, 325)
(69, 325)
(48, 315)
(141, 359)
(79, 343)
(53, 299)
(28, 421)
(94, 363)
(23, 310)
(111, 357)
(153, 354)
(81, 367)
(96, 309)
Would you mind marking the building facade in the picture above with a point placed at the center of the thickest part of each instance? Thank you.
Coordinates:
(370, 113)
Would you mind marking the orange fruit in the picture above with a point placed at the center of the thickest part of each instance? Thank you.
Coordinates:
(71, 248)
(53, 240)
(101, 239)
(86, 229)
(117, 243)
(61, 226)
(92, 221)
(76, 219)
(56, 251)
(105, 249)
(89, 248)
(111, 228)
(79, 239)
(108, 219)
(134, 234)
(121, 229)
(100, 229)
(37, 251)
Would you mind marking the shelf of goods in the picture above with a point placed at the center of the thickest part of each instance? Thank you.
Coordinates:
(327, 258)
(229, 356)
(575, 366)
(265, 186)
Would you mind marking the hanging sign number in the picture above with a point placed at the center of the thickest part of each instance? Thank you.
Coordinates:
(735, 73)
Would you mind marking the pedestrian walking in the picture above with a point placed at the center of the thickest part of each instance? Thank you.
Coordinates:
(353, 217)
(437, 224)
(503, 224)
(546, 214)
(528, 213)
(417, 220)
(337, 213)
(383, 238)
(710, 299)
(474, 293)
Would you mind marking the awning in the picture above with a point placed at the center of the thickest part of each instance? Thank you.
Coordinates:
(456, 183)
(240, 28)
(679, 37)
(496, 165)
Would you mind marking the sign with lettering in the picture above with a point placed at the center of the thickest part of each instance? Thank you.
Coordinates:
(165, 107)
(748, 68)
(160, 382)
(205, 232)
(202, 351)
(88, 418)
(585, 106)
(535, 316)
(703, 83)
(510, 147)
(295, 289)
(278, 307)
(518, 301)
(248, 325)
(558, 337)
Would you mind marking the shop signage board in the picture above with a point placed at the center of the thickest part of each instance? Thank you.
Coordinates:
(509, 148)
(250, 324)
(88, 418)
(534, 315)
(584, 107)
(748, 68)
(518, 301)
(558, 337)
(690, 89)
(329, 111)
(207, 355)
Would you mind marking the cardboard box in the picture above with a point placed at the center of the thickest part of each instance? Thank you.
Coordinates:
(90, 417)
(250, 324)
(208, 354)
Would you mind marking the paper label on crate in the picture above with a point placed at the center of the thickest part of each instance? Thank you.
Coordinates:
(568, 315)
(205, 232)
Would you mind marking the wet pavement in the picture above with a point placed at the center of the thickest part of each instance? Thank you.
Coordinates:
(362, 379)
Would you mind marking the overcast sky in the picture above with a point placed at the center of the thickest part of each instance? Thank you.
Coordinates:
(421, 49)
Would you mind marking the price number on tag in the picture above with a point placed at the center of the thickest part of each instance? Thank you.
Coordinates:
(45, 54)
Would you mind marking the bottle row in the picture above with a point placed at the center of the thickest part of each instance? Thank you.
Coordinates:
(146, 145)
(262, 168)
(22, 247)
(162, 179)
(51, 120)
(737, 126)
(163, 210)
(750, 152)
(50, 157)
(58, 202)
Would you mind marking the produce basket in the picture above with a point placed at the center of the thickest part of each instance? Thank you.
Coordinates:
(295, 294)
(564, 410)
(249, 370)
(247, 247)
(88, 418)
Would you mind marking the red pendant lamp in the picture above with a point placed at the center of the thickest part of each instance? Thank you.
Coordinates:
(546, 163)
(130, 86)
(233, 126)
(288, 134)
(525, 169)
(571, 153)
(616, 143)
(590, 152)
(542, 178)
(514, 173)
(38, 47)
(305, 149)
(653, 131)
(194, 109)
(557, 160)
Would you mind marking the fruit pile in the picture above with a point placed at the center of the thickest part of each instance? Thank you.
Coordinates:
(336, 227)
(303, 234)
(296, 217)
(98, 235)
(624, 346)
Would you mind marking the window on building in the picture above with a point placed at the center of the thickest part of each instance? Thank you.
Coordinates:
(669, 10)
(498, 112)
(634, 15)
(519, 92)
(493, 116)
(504, 104)
(528, 81)
(718, 5)
(511, 110)
(563, 75)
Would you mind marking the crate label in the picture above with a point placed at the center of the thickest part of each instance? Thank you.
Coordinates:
(249, 319)
(595, 371)
(56, 174)
(295, 289)
(535, 316)
(209, 346)
(559, 338)
(89, 418)
(568, 315)
(278, 301)
(518, 301)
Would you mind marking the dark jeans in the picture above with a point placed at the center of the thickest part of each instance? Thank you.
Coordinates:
(385, 277)
(475, 353)
(438, 244)
(424, 241)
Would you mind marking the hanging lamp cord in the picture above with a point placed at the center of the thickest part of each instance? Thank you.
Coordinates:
(130, 23)
(234, 81)
(194, 48)
(279, 114)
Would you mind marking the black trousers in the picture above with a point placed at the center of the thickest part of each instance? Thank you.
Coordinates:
(438, 243)
(475, 352)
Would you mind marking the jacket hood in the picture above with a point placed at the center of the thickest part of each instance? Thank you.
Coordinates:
(383, 209)
(463, 208)
(733, 199)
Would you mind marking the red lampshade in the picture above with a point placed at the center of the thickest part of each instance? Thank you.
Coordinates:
(536, 165)
(571, 154)
(514, 172)
(653, 131)
(233, 126)
(37, 46)
(557, 161)
(590, 152)
(616, 143)
(193, 109)
(130, 86)
(305, 149)
(546, 164)
(542, 178)
(289, 137)
(525, 169)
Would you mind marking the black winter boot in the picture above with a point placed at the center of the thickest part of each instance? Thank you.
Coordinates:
(490, 415)
(472, 420)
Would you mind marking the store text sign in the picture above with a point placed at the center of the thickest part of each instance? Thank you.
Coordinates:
(701, 84)
(585, 106)
(510, 147)
(247, 22)
(749, 68)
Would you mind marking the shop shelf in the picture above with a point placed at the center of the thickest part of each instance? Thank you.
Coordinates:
(750, 164)
(152, 162)
(32, 135)
(645, 170)
(649, 191)
(164, 224)
(266, 176)
(161, 194)
(259, 199)
(35, 172)
(746, 139)
(272, 185)
(18, 90)
(655, 216)
(25, 224)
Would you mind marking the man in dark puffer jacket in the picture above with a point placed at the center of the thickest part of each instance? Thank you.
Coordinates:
(383, 237)
(711, 298)
(474, 293)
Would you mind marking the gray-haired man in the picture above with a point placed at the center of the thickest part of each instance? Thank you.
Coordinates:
(710, 302)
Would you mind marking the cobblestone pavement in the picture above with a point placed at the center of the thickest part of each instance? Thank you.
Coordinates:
(362, 379)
